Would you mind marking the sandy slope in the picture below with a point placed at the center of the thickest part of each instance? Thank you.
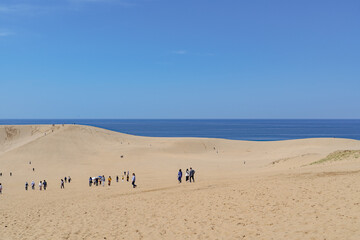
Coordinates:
(275, 194)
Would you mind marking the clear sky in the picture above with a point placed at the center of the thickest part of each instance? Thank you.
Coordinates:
(179, 59)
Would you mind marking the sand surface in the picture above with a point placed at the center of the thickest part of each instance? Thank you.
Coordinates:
(243, 190)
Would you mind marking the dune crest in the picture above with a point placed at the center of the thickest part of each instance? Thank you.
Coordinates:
(12, 137)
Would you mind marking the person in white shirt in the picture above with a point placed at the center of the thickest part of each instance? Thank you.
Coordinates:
(40, 185)
(187, 174)
(133, 180)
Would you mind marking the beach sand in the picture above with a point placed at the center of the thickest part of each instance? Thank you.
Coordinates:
(243, 190)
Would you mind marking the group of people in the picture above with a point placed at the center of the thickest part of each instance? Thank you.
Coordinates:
(62, 182)
(42, 184)
(189, 175)
(100, 180)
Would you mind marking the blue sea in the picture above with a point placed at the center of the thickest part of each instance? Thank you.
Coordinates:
(254, 130)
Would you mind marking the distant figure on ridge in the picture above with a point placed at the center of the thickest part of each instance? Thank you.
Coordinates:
(179, 175)
(133, 180)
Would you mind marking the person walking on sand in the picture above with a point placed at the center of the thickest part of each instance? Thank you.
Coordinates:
(179, 175)
(62, 184)
(127, 177)
(103, 180)
(133, 180)
(122, 178)
(1, 188)
(117, 178)
(90, 181)
(69, 179)
(45, 184)
(192, 173)
(65, 179)
(26, 186)
(187, 174)
(109, 180)
(33, 185)
(40, 185)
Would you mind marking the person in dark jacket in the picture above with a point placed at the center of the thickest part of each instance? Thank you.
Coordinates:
(133, 180)
(192, 173)
(179, 175)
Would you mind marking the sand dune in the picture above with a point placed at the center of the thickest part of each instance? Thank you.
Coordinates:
(298, 189)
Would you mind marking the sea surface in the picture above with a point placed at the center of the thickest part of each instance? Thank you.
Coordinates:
(254, 130)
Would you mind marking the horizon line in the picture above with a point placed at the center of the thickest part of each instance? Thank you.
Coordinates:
(1, 119)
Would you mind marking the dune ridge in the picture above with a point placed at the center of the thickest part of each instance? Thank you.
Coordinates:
(243, 189)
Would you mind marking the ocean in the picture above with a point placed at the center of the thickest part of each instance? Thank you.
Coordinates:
(249, 129)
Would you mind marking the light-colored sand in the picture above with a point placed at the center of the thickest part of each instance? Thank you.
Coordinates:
(276, 194)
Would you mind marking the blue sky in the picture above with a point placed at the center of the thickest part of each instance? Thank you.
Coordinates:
(179, 59)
